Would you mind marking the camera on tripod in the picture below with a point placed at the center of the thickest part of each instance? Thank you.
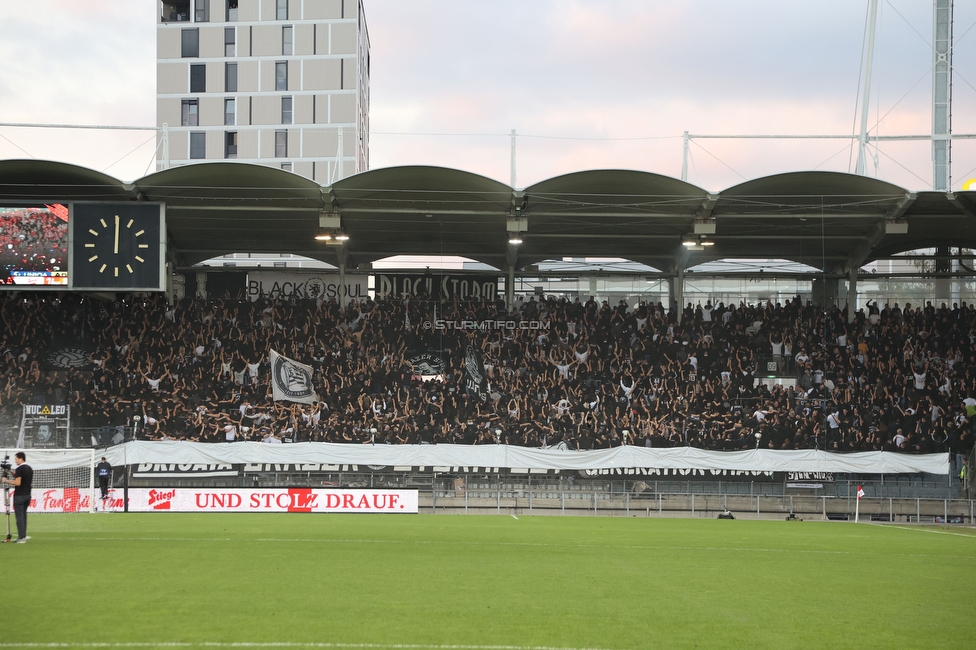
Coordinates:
(5, 466)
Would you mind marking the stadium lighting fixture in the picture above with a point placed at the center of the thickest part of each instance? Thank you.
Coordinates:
(696, 243)
(514, 241)
(330, 228)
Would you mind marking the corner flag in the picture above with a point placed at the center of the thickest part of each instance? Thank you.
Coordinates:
(860, 492)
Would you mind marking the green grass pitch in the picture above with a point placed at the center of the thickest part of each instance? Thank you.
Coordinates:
(484, 582)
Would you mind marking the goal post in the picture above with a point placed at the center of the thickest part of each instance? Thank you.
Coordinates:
(64, 479)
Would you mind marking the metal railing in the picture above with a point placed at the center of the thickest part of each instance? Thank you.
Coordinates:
(469, 500)
(966, 474)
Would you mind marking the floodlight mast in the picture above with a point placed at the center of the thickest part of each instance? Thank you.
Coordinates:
(871, 29)
(942, 96)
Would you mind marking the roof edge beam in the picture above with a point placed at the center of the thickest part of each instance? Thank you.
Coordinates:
(962, 203)
(860, 254)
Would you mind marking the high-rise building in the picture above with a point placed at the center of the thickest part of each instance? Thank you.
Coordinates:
(282, 83)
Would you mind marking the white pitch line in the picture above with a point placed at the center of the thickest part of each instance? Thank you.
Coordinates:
(925, 530)
(286, 644)
(643, 547)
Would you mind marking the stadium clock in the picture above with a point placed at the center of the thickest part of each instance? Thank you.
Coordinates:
(116, 246)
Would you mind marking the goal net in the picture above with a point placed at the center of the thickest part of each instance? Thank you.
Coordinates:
(64, 479)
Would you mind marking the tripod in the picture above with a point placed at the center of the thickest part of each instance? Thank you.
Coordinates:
(6, 507)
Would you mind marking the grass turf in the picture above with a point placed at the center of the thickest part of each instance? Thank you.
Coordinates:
(486, 581)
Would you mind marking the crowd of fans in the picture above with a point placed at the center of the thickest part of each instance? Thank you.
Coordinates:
(556, 373)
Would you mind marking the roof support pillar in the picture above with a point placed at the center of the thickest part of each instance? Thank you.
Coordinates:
(851, 294)
(511, 258)
(509, 287)
(343, 290)
(201, 285)
(676, 292)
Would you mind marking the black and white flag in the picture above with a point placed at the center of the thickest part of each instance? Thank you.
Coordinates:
(476, 382)
(291, 381)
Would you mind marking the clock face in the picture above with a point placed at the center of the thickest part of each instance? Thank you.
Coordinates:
(116, 246)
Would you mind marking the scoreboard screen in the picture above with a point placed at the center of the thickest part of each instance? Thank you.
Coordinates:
(34, 245)
(82, 245)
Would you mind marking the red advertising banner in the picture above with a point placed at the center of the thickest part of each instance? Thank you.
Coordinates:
(272, 500)
(73, 500)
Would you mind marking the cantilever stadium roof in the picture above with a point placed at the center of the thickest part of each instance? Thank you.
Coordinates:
(827, 220)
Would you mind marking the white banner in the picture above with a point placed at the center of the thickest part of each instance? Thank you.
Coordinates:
(759, 460)
(756, 460)
(272, 500)
(304, 286)
(291, 381)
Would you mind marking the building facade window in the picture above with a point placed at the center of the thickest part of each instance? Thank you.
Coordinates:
(191, 43)
(230, 77)
(286, 167)
(287, 40)
(230, 111)
(198, 78)
(230, 41)
(281, 75)
(232, 11)
(198, 145)
(281, 12)
(202, 13)
(281, 143)
(190, 113)
(230, 144)
(286, 110)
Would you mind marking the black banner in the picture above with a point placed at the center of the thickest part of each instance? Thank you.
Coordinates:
(42, 433)
(657, 473)
(66, 353)
(427, 365)
(437, 287)
(810, 477)
(476, 381)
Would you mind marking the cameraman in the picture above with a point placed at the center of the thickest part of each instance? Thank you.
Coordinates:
(23, 477)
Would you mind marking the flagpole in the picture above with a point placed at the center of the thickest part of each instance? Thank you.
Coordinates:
(857, 507)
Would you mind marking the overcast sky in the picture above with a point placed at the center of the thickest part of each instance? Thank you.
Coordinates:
(586, 84)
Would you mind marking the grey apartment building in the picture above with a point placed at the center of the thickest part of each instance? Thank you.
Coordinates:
(272, 82)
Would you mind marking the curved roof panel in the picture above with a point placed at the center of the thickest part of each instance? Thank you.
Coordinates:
(617, 190)
(830, 221)
(229, 181)
(811, 192)
(218, 208)
(46, 180)
(422, 189)
(423, 210)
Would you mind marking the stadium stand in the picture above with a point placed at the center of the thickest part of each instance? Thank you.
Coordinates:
(580, 375)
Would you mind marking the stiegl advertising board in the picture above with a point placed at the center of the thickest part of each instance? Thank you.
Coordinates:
(272, 500)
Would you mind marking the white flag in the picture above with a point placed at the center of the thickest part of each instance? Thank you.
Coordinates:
(291, 381)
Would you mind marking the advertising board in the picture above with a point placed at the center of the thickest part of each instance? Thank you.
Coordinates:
(272, 500)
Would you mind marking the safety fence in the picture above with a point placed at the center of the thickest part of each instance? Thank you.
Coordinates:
(677, 504)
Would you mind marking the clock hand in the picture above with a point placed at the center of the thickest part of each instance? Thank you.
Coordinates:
(116, 234)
